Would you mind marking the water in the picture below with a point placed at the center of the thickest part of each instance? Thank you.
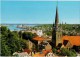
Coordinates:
(13, 27)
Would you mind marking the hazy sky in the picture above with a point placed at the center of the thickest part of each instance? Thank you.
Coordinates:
(39, 12)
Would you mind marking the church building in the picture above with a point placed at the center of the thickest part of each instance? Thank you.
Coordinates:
(56, 33)
(59, 40)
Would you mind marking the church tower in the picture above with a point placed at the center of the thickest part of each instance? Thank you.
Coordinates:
(56, 33)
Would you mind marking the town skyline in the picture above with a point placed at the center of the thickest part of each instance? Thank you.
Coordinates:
(40, 28)
(39, 12)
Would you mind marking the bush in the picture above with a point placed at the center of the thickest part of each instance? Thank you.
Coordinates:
(66, 52)
(54, 50)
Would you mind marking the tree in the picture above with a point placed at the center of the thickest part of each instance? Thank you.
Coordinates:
(5, 49)
(4, 30)
(10, 42)
(28, 35)
(20, 34)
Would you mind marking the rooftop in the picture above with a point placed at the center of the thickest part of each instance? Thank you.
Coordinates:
(74, 40)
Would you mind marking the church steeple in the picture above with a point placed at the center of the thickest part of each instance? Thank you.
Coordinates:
(56, 34)
(56, 18)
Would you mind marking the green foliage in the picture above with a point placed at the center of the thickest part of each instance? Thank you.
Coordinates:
(49, 33)
(5, 50)
(10, 42)
(71, 29)
(66, 52)
(28, 35)
(20, 34)
(54, 50)
(4, 30)
(67, 29)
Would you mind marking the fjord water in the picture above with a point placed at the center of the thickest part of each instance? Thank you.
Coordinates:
(13, 27)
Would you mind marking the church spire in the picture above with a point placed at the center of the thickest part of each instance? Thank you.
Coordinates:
(57, 33)
(56, 18)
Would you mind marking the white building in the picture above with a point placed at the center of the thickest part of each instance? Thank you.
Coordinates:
(39, 33)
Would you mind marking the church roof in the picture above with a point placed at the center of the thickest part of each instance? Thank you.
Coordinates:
(56, 17)
(74, 40)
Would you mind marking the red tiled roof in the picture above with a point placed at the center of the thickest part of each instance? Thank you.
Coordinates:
(38, 38)
(74, 40)
(39, 55)
(27, 50)
(46, 51)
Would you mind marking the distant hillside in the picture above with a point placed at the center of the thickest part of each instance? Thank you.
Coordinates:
(67, 29)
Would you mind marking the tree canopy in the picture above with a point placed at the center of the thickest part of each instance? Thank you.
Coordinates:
(10, 42)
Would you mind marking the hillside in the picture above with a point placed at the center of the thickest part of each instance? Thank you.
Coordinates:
(67, 29)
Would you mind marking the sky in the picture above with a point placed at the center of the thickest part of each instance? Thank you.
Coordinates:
(39, 12)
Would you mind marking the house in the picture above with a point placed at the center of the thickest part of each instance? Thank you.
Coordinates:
(74, 40)
(30, 44)
(71, 41)
(48, 47)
